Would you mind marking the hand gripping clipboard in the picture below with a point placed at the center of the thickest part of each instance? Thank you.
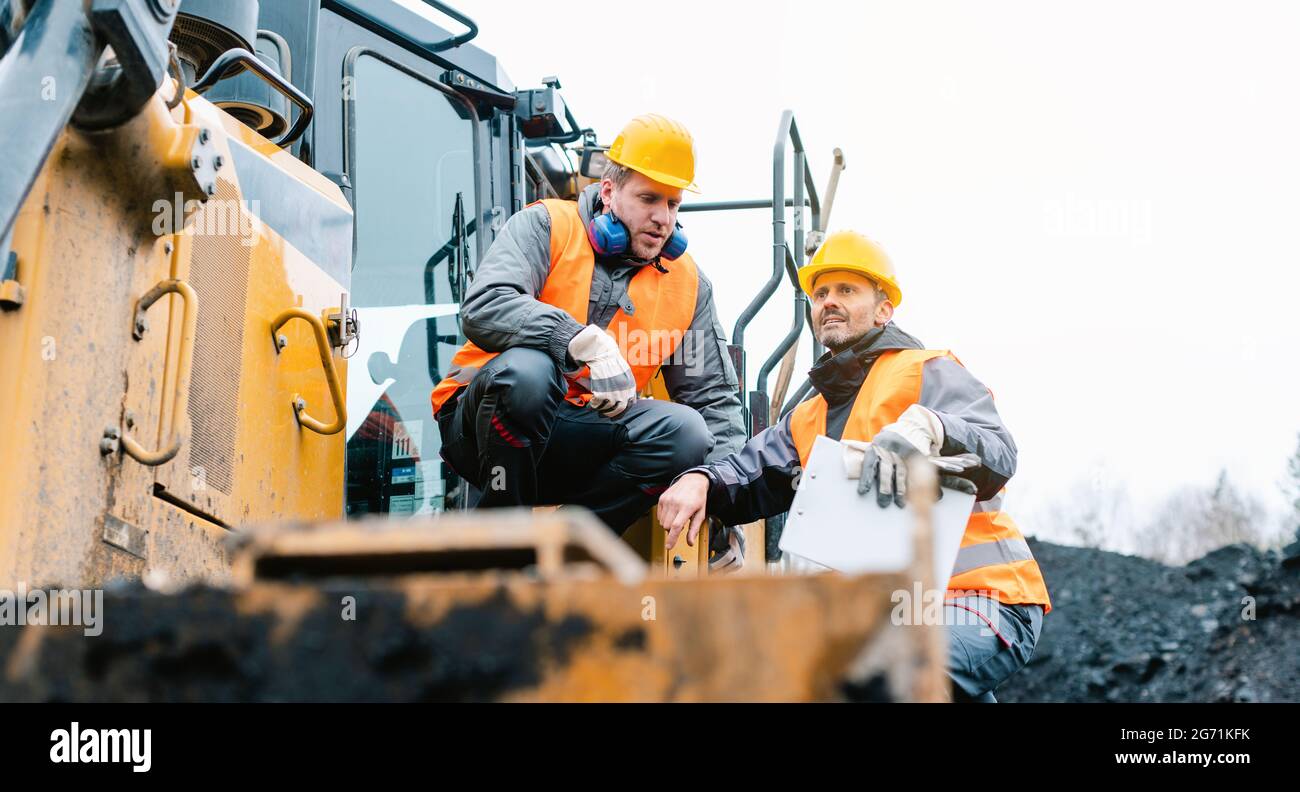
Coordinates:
(834, 527)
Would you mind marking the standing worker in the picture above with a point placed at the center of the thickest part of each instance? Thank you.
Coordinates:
(879, 384)
(572, 311)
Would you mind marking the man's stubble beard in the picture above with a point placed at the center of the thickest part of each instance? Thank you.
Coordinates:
(643, 251)
(637, 248)
(831, 339)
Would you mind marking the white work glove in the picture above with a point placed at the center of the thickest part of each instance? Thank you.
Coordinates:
(613, 387)
(917, 432)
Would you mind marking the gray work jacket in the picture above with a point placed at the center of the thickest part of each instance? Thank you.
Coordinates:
(502, 310)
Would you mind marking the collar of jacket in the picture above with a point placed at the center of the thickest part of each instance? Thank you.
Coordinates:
(588, 205)
(838, 377)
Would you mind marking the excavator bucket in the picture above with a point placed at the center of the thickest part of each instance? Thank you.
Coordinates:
(505, 606)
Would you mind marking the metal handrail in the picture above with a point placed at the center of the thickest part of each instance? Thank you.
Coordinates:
(805, 194)
(254, 64)
(792, 337)
(450, 42)
(327, 362)
(722, 206)
(787, 132)
(181, 398)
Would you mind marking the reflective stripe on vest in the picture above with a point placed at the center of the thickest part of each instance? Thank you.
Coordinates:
(663, 305)
(993, 556)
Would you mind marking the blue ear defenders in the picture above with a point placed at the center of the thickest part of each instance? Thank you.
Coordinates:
(609, 237)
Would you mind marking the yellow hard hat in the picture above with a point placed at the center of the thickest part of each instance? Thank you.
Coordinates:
(657, 147)
(850, 251)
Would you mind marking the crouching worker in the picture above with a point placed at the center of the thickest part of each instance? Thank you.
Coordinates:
(879, 384)
(573, 309)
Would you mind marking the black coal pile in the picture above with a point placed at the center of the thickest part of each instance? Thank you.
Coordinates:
(1223, 628)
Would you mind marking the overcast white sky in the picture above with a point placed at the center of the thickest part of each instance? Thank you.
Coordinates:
(1094, 205)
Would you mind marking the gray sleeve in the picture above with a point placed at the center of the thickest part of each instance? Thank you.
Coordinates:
(757, 481)
(701, 376)
(501, 309)
(970, 423)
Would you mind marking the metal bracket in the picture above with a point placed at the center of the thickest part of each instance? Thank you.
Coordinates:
(478, 89)
(540, 112)
(343, 325)
(137, 30)
(111, 441)
(538, 115)
(125, 536)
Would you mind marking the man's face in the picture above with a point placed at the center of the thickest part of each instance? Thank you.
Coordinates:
(647, 208)
(845, 308)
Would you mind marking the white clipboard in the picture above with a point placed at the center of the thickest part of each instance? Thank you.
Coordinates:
(834, 527)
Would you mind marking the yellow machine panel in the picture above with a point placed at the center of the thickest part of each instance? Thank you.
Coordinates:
(131, 444)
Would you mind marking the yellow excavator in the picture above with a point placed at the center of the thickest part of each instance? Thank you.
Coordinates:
(234, 237)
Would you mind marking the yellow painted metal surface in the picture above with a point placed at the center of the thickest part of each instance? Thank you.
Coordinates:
(89, 246)
(647, 535)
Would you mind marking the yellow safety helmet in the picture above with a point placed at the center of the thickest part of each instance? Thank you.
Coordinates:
(850, 251)
(657, 147)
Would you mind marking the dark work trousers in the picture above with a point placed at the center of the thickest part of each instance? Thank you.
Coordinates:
(511, 434)
(988, 641)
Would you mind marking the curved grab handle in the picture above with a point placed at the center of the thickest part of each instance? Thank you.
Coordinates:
(266, 74)
(377, 19)
(181, 400)
(327, 361)
(454, 41)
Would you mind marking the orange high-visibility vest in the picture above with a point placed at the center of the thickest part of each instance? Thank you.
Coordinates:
(993, 556)
(663, 307)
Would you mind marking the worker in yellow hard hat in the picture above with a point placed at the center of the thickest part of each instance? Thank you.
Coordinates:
(847, 251)
(880, 390)
(574, 308)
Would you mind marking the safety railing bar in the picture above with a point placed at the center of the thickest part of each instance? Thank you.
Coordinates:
(804, 195)
(726, 206)
(368, 18)
(778, 238)
(787, 131)
(809, 184)
(454, 41)
(791, 337)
